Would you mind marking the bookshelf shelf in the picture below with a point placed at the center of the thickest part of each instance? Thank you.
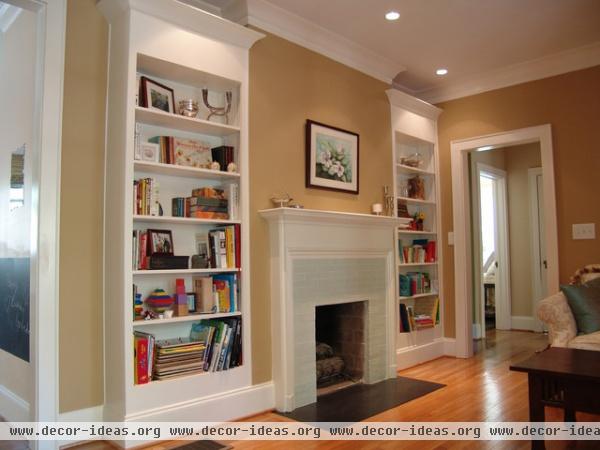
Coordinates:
(427, 294)
(408, 169)
(188, 220)
(414, 130)
(417, 264)
(135, 52)
(187, 124)
(182, 171)
(415, 201)
(188, 318)
(183, 271)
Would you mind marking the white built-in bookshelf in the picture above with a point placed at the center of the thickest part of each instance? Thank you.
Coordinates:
(416, 190)
(186, 50)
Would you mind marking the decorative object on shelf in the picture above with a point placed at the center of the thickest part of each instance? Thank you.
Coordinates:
(191, 301)
(403, 189)
(377, 209)
(415, 160)
(232, 167)
(191, 153)
(281, 201)
(224, 155)
(416, 188)
(166, 315)
(199, 262)
(388, 201)
(154, 95)
(160, 242)
(168, 262)
(417, 222)
(331, 158)
(218, 110)
(138, 304)
(159, 301)
(188, 107)
(149, 152)
(215, 165)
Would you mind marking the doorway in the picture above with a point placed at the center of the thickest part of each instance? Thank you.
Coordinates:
(463, 253)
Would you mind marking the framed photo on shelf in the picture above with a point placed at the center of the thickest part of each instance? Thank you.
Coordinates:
(160, 242)
(149, 152)
(191, 301)
(154, 95)
(331, 158)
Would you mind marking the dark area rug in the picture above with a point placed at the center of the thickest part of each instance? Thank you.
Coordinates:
(362, 401)
(203, 445)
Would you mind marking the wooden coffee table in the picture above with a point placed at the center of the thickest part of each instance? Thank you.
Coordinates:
(563, 377)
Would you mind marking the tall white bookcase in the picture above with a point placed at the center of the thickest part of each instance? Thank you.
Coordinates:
(414, 131)
(187, 50)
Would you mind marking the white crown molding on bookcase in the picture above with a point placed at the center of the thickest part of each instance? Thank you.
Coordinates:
(548, 66)
(413, 104)
(298, 30)
(186, 16)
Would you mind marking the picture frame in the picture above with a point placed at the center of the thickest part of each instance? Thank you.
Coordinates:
(191, 301)
(154, 95)
(160, 242)
(149, 151)
(332, 158)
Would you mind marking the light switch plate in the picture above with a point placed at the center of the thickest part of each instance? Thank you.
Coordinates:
(584, 231)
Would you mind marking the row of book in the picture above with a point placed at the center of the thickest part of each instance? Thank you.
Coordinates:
(143, 357)
(224, 247)
(424, 314)
(224, 155)
(223, 340)
(141, 255)
(219, 293)
(145, 197)
(414, 283)
(208, 203)
(178, 357)
(421, 251)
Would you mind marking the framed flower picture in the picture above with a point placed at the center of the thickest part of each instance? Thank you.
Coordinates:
(154, 95)
(331, 158)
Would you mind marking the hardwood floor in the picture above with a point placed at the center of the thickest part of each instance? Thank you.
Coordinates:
(477, 389)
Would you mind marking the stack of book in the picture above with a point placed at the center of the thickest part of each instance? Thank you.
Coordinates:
(223, 339)
(421, 251)
(224, 249)
(217, 294)
(223, 155)
(424, 314)
(414, 283)
(145, 197)
(178, 357)
(208, 203)
(143, 357)
(141, 258)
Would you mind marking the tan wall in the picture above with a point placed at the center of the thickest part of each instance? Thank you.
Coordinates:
(570, 104)
(289, 84)
(81, 202)
(518, 160)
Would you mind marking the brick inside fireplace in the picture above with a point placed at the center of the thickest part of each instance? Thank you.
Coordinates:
(342, 327)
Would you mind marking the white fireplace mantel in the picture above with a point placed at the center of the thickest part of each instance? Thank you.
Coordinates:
(326, 257)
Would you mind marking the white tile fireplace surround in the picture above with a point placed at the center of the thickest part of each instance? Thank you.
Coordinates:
(321, 258)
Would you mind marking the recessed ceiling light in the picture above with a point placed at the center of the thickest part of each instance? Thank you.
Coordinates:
(441, 71)
(485, 147)
(392, 15)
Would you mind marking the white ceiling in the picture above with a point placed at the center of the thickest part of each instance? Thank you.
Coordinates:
(468, 37)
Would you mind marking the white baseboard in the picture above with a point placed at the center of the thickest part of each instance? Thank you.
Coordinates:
(450, 347)
(417, 354)
(522, 323)
(93, 414)
(12, 407)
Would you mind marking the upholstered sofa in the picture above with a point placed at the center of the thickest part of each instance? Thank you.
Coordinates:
(555, 312)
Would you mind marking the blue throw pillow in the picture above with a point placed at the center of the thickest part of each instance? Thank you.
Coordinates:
(584, 300)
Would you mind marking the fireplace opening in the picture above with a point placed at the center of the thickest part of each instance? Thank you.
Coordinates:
(340, 345)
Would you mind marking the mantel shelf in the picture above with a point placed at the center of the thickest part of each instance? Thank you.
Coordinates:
(315, 216)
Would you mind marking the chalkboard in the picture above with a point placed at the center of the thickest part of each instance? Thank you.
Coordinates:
(14, 306)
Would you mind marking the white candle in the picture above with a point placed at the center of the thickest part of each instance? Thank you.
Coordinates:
(377, 208)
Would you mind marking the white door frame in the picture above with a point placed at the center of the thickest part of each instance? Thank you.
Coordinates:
(45, 249)
(502, 245)
(459, 150)
(536, 253)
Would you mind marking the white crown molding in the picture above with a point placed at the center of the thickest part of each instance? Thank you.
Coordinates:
(548, 66)
(298, 30)
(201, 4)
(188, 17)
(412, 104)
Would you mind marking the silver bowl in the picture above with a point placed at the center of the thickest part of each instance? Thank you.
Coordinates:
(188, 108)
